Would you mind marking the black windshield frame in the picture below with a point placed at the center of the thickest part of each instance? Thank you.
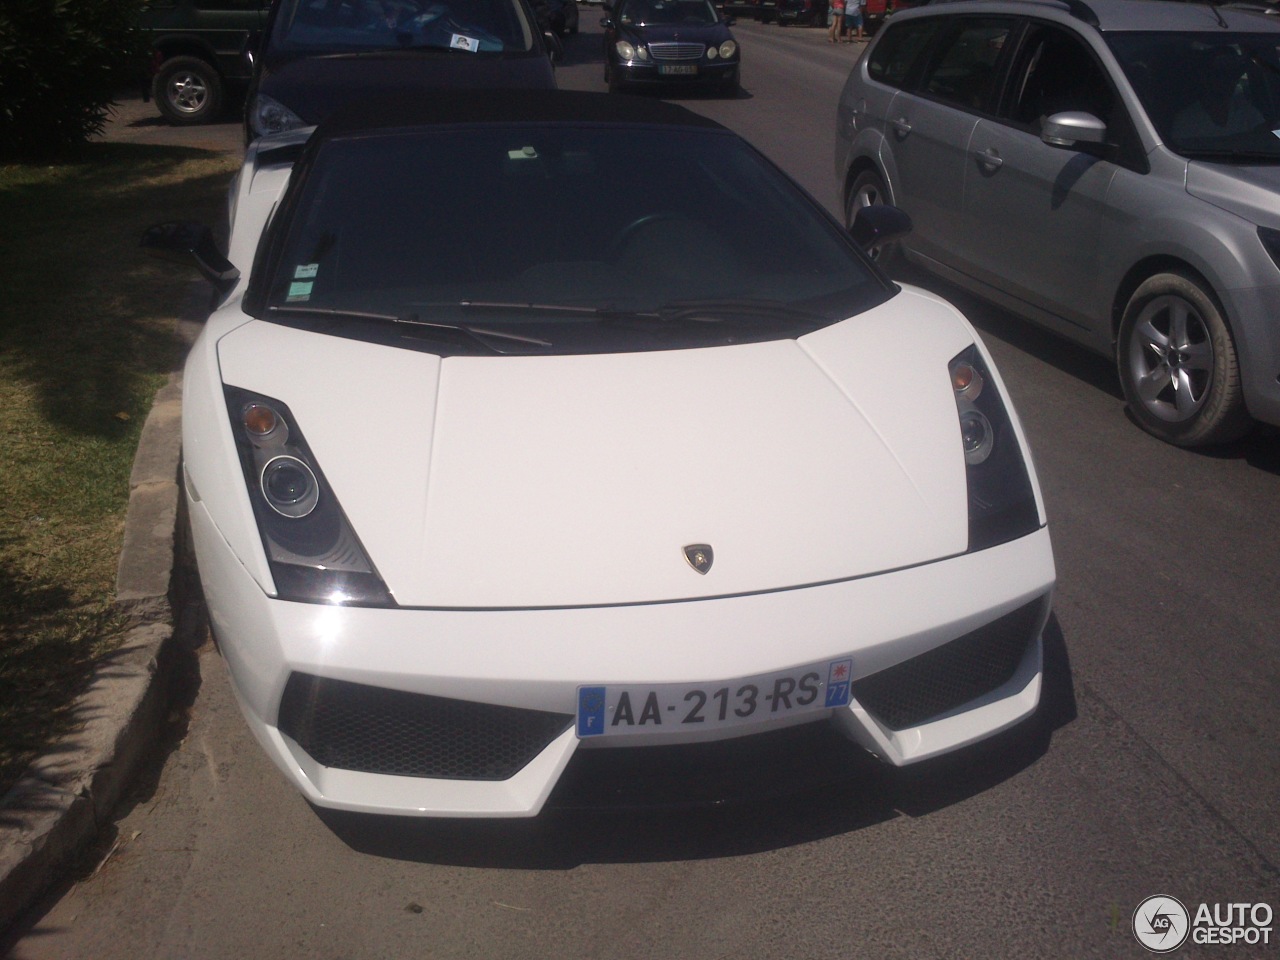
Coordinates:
(779, 245)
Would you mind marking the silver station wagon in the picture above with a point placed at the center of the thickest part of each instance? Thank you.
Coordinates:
(1109, 169)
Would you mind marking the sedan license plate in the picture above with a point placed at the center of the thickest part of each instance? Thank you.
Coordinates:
(678, 69)
(680, 707)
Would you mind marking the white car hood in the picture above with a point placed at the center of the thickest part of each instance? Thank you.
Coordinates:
(578, 480)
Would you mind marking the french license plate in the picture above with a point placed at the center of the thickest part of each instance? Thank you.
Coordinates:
(678, 70)
(681, 708)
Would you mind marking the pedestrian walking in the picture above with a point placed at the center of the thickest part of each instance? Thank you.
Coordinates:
(854, 14)
(835, 21)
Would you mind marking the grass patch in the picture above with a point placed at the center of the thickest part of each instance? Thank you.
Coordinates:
(86, 338)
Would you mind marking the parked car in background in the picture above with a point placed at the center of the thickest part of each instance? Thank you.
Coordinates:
(801, 13)
(537, 424)
(677, 42)
(1108, 169)
(804, 13)
(319, 54)
(198, 57)
(749, 9)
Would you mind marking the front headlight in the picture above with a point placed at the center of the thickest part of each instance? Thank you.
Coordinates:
(1002, 504)
(314, 554)
(625, 50)
(272, 116)
(728, 49)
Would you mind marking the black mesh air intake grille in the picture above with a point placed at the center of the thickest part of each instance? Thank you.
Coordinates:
(353, 726)
(951, 675)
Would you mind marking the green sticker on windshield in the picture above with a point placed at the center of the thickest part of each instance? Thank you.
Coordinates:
(300, 290)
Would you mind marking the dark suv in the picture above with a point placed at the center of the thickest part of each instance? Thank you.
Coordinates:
(198, 53)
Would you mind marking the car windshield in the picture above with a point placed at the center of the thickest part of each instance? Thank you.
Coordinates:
(1213, 96)
(353, 26)
(555, 232)
(668, 12)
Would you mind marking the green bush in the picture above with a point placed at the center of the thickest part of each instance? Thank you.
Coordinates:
(60, 64)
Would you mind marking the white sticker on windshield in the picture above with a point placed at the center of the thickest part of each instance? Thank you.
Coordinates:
(299, 291)
(459, 42)
(306, 271)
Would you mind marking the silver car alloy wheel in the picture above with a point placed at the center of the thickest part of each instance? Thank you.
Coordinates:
(1171, 359)
(187, 91)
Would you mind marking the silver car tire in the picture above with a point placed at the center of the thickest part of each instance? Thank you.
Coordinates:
(1177, 364)
(868, 188)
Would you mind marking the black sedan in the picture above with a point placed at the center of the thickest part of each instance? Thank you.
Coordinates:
(667, 42)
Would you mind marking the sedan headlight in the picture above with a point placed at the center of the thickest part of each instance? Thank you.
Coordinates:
(314, 554)
(271, 116)
(1002, 504)
(626, 51)
(728, 49)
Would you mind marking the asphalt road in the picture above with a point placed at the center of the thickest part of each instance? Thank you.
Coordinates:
(1159, 773)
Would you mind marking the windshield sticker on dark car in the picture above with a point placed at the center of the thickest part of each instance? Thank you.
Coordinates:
(459, 42)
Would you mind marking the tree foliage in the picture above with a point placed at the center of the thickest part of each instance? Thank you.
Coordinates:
(61, 61)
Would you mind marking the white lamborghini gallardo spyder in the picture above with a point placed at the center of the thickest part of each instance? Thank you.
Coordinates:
(536, 424)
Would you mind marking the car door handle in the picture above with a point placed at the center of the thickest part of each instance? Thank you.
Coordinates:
(900, 126)
(989, 160)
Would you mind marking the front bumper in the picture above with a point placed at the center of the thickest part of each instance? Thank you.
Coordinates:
(477, 667)
(650, 72)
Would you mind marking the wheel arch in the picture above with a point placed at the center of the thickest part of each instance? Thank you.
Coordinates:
(1149, 267)
(171, 47)
(859, 165)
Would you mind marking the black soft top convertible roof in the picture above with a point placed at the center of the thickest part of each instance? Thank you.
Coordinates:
(504, 106)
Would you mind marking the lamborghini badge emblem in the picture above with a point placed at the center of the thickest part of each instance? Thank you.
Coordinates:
(699, 556)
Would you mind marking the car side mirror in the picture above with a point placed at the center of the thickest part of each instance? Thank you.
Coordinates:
(879, 224)
(555, 49)
(1072, 128)
(185, 241)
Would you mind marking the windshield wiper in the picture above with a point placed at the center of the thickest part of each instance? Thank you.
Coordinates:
(697, 311)
(478, 334)
(745, 308)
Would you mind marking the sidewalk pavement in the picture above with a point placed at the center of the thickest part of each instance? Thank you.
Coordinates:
(67, 795)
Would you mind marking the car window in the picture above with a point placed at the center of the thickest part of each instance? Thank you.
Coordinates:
(612, 219)
(328, 26)
(649, 12)
(963, 71)
(1215, 96)
(896, 54)
(1059, 73)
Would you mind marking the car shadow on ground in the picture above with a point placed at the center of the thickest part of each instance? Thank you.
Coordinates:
(633, 806)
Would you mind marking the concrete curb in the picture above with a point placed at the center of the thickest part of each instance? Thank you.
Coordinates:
(67, 795)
